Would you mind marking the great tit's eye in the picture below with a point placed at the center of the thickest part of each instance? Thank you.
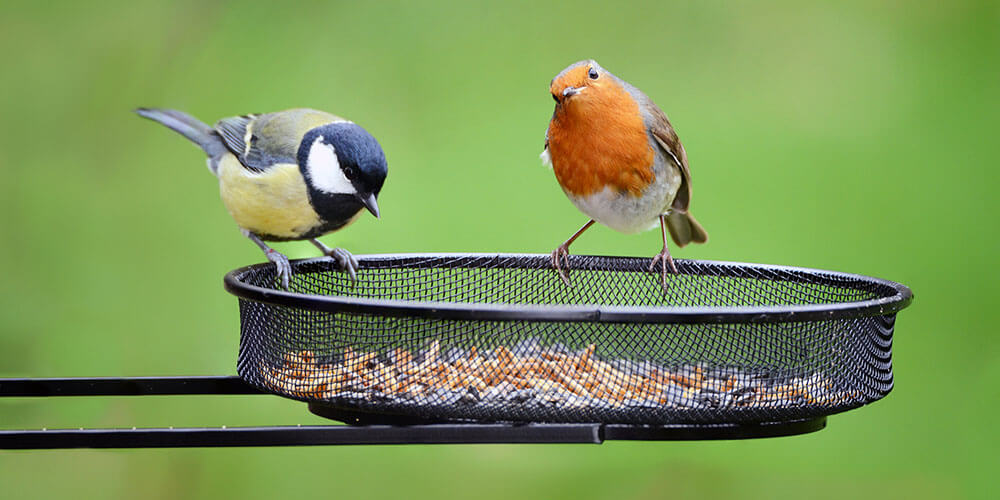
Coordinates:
(592, 74)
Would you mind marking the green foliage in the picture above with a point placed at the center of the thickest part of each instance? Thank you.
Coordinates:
(847, 136)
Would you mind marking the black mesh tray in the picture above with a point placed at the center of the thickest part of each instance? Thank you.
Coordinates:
(437, 338)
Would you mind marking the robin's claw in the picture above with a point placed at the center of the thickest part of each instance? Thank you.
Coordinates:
(562, 253)
(666, 261)
(559, 254)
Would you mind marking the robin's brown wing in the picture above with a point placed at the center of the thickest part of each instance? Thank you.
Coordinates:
(682, 225)
(671, 145)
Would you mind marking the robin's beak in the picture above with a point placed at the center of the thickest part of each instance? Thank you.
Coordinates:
(571, 91)
(369, 203)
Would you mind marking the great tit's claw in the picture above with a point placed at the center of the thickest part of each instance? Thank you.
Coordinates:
(283, 267)
(346, 261)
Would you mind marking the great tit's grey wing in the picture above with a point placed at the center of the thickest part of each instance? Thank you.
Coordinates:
(237, 134)
(260, 141)
(233, 131)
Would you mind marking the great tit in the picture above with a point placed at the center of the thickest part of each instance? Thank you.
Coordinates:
(289, 175)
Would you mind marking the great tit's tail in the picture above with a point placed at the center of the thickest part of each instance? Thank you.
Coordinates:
(684, 228)
(194, 129)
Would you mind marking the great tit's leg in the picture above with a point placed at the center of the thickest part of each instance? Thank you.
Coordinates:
(664, 255)
(562, 252)
(321, 246)
(284, 267)
(343, 257)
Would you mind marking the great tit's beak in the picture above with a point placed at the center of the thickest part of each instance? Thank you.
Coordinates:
(369, 203)
(571, 91)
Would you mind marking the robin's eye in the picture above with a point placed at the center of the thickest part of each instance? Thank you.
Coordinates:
(592, 74)
(554, 98)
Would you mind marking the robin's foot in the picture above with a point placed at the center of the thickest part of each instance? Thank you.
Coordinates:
(559, 254)
(284, 268)
(562, 253)
(666, 261)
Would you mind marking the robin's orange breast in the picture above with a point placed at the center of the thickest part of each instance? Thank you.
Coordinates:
(598, 141)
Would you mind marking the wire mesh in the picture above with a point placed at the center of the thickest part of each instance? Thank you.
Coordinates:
(501, 338)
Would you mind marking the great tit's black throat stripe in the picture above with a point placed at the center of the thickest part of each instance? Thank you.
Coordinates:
(336, 210)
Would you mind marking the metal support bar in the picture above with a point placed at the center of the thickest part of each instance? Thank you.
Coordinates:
(319, 435)
(446, 433)
(124, 386)
(702, 432)
(300, 436)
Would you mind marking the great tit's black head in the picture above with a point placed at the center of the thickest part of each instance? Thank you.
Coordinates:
(343, 161)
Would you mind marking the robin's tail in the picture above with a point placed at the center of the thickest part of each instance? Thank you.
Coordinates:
(194, 129)
(684, 229)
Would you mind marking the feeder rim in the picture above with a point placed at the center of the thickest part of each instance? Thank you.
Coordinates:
(581, 312)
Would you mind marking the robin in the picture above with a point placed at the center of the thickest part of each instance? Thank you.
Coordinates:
(618, 159)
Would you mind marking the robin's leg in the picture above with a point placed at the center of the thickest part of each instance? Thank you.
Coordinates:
(344, 258)
(284, 267)
(562, 252)
(664, 255)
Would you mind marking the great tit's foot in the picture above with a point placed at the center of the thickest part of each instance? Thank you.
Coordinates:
(342, 257)
(666, 261)
(559, 255)
(283, 266)
(346, 261)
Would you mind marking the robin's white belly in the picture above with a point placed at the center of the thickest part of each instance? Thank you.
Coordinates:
(624, 212)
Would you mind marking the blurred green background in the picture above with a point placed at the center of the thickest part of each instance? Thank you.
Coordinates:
(852, 136)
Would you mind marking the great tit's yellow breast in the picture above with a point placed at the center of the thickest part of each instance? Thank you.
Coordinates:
(273, 203)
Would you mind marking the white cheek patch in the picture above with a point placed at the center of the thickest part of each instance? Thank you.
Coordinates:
(324, 169)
